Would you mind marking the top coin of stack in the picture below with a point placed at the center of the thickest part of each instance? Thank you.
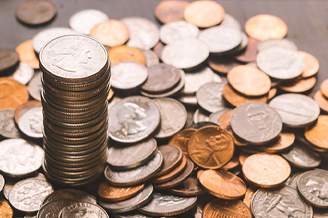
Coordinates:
(75, 88)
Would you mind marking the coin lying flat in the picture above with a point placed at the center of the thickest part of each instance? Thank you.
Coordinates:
(31, 122)
(284, 43)
(181, 140)
(221, 208)
(125, 53)
(5, 209)
(321, 101)
(173, 31)
(8, 128)
(23, 73)
(222, 64)
(324, 88)
(53, 208)
(196, 78)
(8, 60)
(311, 66)
(83, 21)
(170, 11)
(201, 115)
(13, 93)
(189, 187)
(151, 57)
(26, 54)
(299, 86)
(71, 195)
(249, 54)
(209, 96)
(285, 141)
(35, 86)
(172, 156)
(91, 210)
(316, 134)
(112, 193)
(230, 21)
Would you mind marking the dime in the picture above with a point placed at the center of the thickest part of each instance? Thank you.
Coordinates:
(299, 86)
(284, 43)
(170, 11)
(316, 134)
(181, 140)
(26, 54)
(195, 79)
(137, 175)
(35, 86)
(12, 94)
(53, 209)
(220, 208)
(151, 57)
(112, 193)
(124, 53)
(71, 195)
(230, 21)
(189, 187)
(23, 73)
(209, 96)
(250, 52)
(173, 117)
(31, 122)
(211, 147)
(79, 208)
(266, 203)
(5, 210)
(204, 13)
(285, 140)
(296, 110)
(280, 63)
(144, 33)
(173, 31)
(8, 128)
(324, 88)
(266, 170)
(222, 64)
(83, 21)
(201, 115)
(167, 205)
(321, 101)
(172, 156)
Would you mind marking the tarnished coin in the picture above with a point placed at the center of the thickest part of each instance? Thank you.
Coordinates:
(181, 140)
(185, 54)
(119, 156)
(298, 86)
(173, 31)
(220, 208)
(211, 147)
(110, 32)
(19, 157)
(27, 195)
(285, 141)
(230, 21)
(172, 156)
(12, 93)
(5, 209)
(321, 101)
(53, 208)
(195, 79)
(266, 170)
(316, 134)
(35, 86)
(35, 12)
(170, 11)
(125, 53)
(284, 202)
(133, 119)
(137, 175)
(70, 194)
(173, 117)
(265, 26)
(151, 57)
(222, 64)
(9, 59)
(8, 128)
(83, 21)
(130, 204)
(128, 75)
(23, 73)
(26, 54)
(144, 33)
(256, 123)
(189, 187)
(284, 43)
(280, 63)
(296, 110)
(82, 208)
(204, 13)
(112, 193)
(220, 39)
(167, 205)
(31, 122)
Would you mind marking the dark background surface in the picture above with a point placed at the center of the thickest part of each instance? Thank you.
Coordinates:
(307, 21)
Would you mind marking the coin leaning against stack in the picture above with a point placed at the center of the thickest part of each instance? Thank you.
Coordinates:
(75, 81)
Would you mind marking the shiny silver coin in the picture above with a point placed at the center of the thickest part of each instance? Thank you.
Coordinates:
(214, 117)
(24, 73)
(292, 182)
(35, 86)
(70, 194)
(230, 22)
(123, 157)
(81, 209)
(31, 122)
(201, 115)
(284, 43)
(133, 119)
(296, 110)
(189, 100)
(151, 57)
(209, 96)
(53, 209)
(8, 128)
(2, 183)
(137, 175)
(130, 204)
(173, 31)
(144, 34)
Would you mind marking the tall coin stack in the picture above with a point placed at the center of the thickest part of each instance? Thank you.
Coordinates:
(75, 81)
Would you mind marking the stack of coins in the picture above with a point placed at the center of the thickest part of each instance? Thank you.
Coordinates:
(75, 81)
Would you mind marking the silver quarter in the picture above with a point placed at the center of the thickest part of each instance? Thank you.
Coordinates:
(24, 73)
(174, 31)
(31, 122)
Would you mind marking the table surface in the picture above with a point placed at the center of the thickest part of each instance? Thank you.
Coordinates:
(307, 21)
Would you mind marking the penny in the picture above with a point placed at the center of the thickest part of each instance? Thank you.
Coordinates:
(54, 208)
(8, 128)
(272, 93)
(31, 122)
(173, 117)
(167, 205)
(195, 79)
(209, 96)
(296, 110)
(144, 33)
(220, 39)
(224, 120)
(284, 43)
(214, 117)
(26, 54)
(204, 13)
(158, 49)
(134, 176)
(236, 99)
(5, 210)
(110, 95)
(119, 156)
(250, 52)
(110, 32)
(266, 170)
(266, 203)
(128, 75)
(8, 60)
(172, 156)
(23, 73)
(161, 78)
(230, 21)
(222, 64)
(201, 115)
(189, 187)
(170, 11)
(35, 86)
(151, 57)
(211, 147)
(242, 157)
(249, 195)
(321, 101)
(111, 193)
(299, 86)
(181, 140)
(130, 204)
(280, 63)
(316, 134)
(133, 119)
(91, 210)
(265, 26)
(232, 164)
(220, 208)
(284, 141)
(256, 123)
(83, 21)
(185, 54)
(173, 31)
(27, 195)
(324, 88)
(71, 195)
(125, 53)
(249, 81)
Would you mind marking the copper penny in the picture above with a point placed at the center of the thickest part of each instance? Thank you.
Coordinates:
(272, 93)
(169, 11)
(223, 184)
(110, 32)
(26, 54)
(204, 13)
(21, 109)
(181, 140)
(266, 170)
(265, 26)
(324, 88)
(211, 147)
(110, 95)
(233, 163)
(5, 210)
(158, 49)
(239, 142)
(222, 64)
(125, 53)
(249, 195)
(226, 209)
(317, 134)
(224, 120)
(189, 187)
(172, 156)
(284, 141)
(311, 66)
(321, 100)
(236, 99)
(242, 157)
(109, 192)
(249, 53)
(249, 81)
(299, 86)
(12, 93)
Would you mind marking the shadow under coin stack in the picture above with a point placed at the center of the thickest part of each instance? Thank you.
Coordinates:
(75, 80)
